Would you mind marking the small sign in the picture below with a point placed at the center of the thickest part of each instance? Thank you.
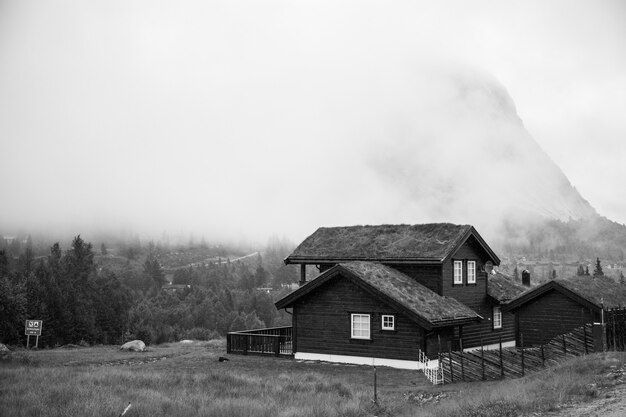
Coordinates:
(33, 327)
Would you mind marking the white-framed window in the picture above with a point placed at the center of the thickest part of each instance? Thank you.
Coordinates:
(388, 322)
(458, 272)
(360, 326)
(471, 272)
(497, 318)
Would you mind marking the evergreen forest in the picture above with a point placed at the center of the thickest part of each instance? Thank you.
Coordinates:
(153, 292)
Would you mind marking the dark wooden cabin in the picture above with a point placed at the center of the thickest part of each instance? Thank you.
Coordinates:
(369, 310)
(443, 264)
(559, 306)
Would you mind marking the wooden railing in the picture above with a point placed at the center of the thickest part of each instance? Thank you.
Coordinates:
(434, 372)
(275, 341)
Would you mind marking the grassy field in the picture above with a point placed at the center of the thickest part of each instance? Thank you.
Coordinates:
(188, 380)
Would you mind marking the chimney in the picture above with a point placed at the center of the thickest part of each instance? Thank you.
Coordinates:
(526, 278)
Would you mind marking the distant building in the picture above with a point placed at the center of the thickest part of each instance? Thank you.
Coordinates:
(175, 287)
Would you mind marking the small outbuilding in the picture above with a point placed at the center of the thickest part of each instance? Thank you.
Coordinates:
(559, 306)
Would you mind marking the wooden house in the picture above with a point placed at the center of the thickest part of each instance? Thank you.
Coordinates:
(559, 306)
(388, 293)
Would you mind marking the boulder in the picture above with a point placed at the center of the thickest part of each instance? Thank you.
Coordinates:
(186, 341)
(134, 345)
(3, 348)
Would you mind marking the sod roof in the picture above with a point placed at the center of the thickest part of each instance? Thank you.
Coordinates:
(593, 291)
(598, 290)
(397, 288)
(423, 242)
(503, 288)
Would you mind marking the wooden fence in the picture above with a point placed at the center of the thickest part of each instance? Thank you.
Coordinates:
(483, 364)
(615, 319)
(275, 341)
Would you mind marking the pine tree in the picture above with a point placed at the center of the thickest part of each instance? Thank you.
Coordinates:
(554, 274)
(153, 269)
(597, 272)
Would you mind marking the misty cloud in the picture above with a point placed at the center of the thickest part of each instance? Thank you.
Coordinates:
(250, 119)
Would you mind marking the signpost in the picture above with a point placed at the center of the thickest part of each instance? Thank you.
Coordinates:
(33, 328)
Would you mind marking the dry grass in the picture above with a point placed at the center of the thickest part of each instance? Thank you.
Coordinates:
(191, 382)
(186, 380)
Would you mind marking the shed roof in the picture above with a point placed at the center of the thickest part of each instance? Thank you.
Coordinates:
(428, 243)
(426, 307)
(503, 288)
(587, 290)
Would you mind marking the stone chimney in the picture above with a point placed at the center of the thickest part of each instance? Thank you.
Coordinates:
(526, 278)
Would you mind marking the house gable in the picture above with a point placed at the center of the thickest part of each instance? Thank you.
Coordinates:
(390, 286)
(322, 324)
(591, 293)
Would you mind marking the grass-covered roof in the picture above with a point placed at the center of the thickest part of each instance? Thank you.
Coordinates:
(589, 290)
(503, 288)
(426, 242)
(411, 294)
(598, 290)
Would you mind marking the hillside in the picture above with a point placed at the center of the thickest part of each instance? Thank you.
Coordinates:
(468, 158)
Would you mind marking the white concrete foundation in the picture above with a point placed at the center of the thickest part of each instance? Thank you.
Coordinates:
(363, 360)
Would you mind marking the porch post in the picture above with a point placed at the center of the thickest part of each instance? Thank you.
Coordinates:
(302, 274)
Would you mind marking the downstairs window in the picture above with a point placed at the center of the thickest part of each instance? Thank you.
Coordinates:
(360, 326)
(497, 318)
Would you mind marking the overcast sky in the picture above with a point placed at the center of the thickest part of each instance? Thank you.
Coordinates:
(233, 118)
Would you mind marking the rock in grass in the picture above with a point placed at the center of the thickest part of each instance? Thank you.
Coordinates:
(3, 348)
(134, 345)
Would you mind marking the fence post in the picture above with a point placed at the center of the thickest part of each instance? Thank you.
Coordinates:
(612, 318)
(277, 346)
(245, 344)
(440, 367)
(450, 361)
(501, 363)
(228, 342)
(462, 366)
(522, 341)
(482, 359)
(599, 337)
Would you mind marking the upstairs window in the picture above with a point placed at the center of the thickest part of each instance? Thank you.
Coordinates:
(497, 318)
(388, 322)
(360, 326)
(458, 272)
(471, 272)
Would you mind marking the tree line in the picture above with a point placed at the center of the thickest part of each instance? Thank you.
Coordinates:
(83, 298)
